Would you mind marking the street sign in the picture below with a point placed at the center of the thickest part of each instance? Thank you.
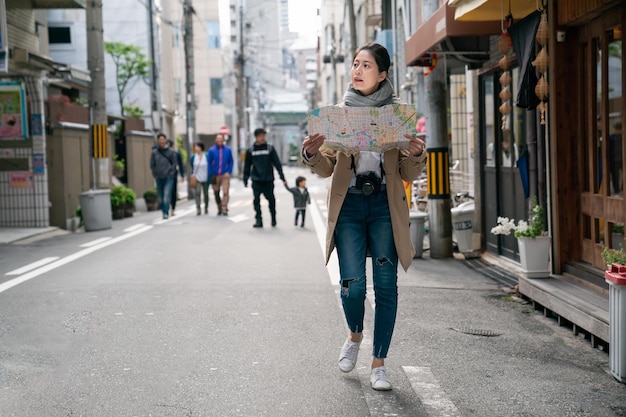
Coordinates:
(224, 130)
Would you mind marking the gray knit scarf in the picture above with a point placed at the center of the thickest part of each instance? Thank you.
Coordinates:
(381, 97)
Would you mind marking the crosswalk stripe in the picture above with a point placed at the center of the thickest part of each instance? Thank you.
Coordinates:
(432, 396)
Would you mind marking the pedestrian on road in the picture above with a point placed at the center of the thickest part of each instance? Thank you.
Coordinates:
(200, 171)
(220, 168)
(301, 198)
(180, 173)
(261, 159)
(368, 213)
(163, 167)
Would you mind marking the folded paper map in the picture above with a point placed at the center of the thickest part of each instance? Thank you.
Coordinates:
(364, 128)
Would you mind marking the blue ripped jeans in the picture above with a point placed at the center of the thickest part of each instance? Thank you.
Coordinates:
(365, 223)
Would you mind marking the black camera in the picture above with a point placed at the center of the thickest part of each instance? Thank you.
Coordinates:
(368, 183)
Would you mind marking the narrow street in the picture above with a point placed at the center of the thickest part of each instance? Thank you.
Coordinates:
(206, 316)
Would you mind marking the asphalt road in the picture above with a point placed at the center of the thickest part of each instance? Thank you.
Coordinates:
(206, 316)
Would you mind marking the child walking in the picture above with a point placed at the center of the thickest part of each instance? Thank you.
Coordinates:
(300, 198)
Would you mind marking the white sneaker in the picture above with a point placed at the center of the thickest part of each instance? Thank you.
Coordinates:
(348, 355)
(379, 379)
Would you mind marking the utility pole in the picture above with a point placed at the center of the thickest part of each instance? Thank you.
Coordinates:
(188, 13)
(333, 58)
(440, 218)
(155, 96)
(97, 97)
(241, 84)
(352, 21)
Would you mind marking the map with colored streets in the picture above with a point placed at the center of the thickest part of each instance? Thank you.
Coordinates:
(364, 128)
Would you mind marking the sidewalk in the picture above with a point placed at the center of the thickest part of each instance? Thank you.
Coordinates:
(10, 235)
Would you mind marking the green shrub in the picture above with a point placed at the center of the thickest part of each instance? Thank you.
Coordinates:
(118, 195)
(129, 195)
(613, 256)
(150, 194)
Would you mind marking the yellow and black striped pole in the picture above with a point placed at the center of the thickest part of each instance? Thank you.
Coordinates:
(438, 172)
(100, 141)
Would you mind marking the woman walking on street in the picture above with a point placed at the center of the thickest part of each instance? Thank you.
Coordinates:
(200, 170)
(368, 213)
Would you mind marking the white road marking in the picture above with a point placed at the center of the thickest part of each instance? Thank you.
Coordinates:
(172, 218)
(320, 230)
(133, 228)
(238, 218)
(95, 242)
(432, 396)
(70, 258)
(33, 265)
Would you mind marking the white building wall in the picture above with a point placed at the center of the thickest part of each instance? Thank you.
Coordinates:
(208, 63)
(331, 17)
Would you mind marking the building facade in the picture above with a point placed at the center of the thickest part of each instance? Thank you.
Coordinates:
(26, 73)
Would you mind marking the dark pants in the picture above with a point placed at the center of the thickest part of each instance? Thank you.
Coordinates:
(267, 189)
(298, 212)
(164, 190)
(174, 193)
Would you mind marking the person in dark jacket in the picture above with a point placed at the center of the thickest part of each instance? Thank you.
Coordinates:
(301, 198)
(261, 158)
(180, 171)
(163, 167)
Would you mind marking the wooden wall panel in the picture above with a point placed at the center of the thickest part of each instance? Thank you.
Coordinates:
(570, 12)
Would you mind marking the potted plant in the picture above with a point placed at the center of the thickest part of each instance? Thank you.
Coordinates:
(532, 239)
(129, 202)
(118, 201)
(613, 256)
(152, 199)
(118, 166)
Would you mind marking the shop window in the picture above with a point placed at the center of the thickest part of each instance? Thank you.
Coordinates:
(505, 138)
(598, 133)
(614, 145)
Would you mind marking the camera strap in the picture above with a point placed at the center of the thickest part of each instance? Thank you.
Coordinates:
(353, 166)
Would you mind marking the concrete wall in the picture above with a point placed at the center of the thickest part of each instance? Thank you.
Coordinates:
(138, 151)
(69, 169)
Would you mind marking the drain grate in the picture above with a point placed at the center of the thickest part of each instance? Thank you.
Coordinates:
(476, 332)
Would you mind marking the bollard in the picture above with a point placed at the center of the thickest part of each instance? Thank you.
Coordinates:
(616, 278)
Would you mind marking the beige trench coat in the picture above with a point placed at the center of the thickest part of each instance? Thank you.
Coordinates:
(399, 165)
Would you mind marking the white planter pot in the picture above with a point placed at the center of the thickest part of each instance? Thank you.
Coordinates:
(534, 255)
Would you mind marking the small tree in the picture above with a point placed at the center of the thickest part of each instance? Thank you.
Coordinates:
(130, 64)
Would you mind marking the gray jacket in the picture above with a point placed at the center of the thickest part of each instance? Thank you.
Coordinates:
(163, 163)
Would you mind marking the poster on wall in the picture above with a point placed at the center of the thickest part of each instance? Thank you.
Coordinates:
(21, 179)
(13, 123)
(39, 166)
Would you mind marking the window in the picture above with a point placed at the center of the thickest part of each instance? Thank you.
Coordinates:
(178, 90)
(217, 94)
(213, 31)
(60, 35)
(176, 35)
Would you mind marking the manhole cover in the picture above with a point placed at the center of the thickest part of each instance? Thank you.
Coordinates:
(476, 332)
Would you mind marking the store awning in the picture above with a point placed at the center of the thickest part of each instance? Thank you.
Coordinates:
(442, 35)
(59, 4)
(491, 10)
